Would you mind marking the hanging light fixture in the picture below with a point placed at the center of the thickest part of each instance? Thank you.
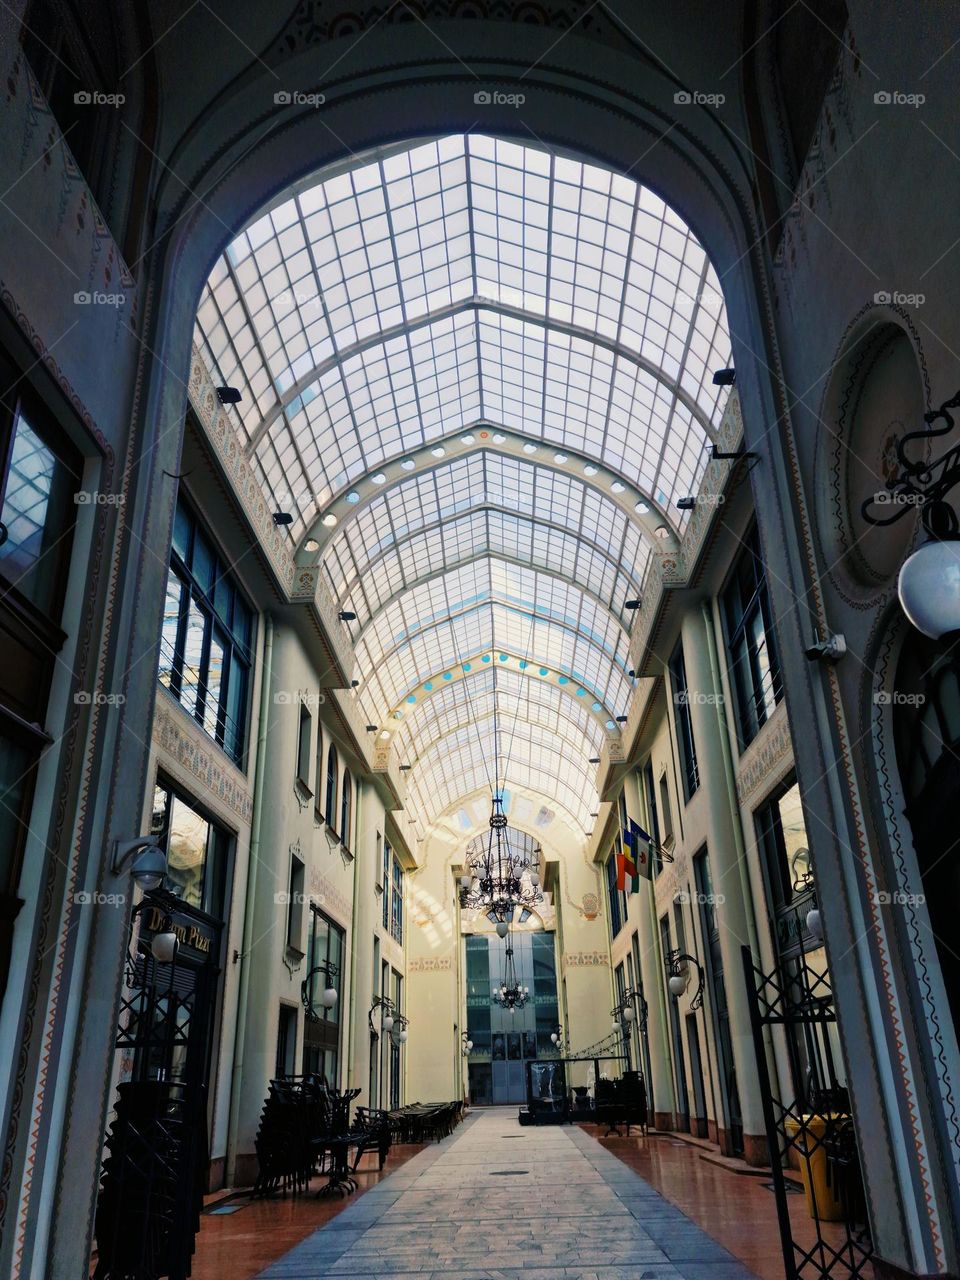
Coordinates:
(510, 994)
(501, 874)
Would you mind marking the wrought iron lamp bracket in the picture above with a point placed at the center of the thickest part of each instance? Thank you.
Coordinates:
(675, 963)
(920, 483)
(329, 971)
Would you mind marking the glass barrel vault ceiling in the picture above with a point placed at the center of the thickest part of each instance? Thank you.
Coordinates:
(427, 290)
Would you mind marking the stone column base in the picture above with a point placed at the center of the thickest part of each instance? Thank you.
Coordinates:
(755, 1149)
(663, 1120)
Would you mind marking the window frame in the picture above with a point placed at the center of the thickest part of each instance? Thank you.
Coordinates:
(330, 793)
(737, 617)
(686, 745)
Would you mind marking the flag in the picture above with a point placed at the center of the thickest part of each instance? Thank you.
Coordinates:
(643, 849)
(621, 872)
(631, 873)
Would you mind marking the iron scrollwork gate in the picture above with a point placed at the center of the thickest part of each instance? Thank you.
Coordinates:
(814, 1132)
(154, 1173)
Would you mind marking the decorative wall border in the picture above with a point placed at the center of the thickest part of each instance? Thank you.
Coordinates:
(188, 747)
(768, 759)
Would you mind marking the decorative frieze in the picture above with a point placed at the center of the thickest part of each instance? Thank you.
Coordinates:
(189, 747)
(768, 758)
(586, 960)
(430, 964)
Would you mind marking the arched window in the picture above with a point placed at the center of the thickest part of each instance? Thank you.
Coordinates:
(346, 808)
(330, 805)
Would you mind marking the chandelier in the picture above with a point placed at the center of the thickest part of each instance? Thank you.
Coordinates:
(510, 994)
(500, 875)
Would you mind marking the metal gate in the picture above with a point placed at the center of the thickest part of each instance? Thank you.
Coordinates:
(814, 1132)
(154, 1173)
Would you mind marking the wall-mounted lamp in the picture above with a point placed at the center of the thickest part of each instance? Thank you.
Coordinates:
(724, 377)
(282, 518)
(678, 980)
(229, 395)
(165, 944)
(148, 862)
(347, 615)
(466, 1044)
(328, 997)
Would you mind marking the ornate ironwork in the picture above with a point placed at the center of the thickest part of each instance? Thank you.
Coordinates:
(499, 877)
(815, 1128)
(510, 994)
(922, 483)
(675, 962)
(329, 971)
(398, 1023)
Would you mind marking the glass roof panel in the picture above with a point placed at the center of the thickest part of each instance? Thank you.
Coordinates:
(417, 292)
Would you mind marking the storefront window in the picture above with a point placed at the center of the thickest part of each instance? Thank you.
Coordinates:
(321, 1038)
(197, 851)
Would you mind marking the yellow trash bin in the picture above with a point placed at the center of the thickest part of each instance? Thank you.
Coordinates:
(821, 1201)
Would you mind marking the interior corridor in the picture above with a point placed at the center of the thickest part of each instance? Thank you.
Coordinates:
(455, 1211)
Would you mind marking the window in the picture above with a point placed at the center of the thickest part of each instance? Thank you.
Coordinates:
(387, 864)
(287, 1041)
(396, 912)
(613, 896)
(303, 748)
(197, 851)
(681, 712)
(751, 644)
(789, 871)
(665, 810)
(330, 802)
(653, 817)
(396, 995)
(318, 779)
(346, 809)
(295, 905)
(321, 1038)
(207, 636)
(38, 484)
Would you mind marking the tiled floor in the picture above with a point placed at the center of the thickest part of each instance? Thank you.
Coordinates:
(497, 1202)
(738, 1211)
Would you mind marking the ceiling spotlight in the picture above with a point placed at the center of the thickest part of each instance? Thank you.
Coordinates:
(282, 518)
(354, 684)
(724, 377)
(311, 545)
(347, 615)
(686, 504)
(372, 728)
(632, 604)
(621, 719)
(594, 759)
(594, 815)
(228, 395)
(632, 674)
(329, 520)
(405, 768)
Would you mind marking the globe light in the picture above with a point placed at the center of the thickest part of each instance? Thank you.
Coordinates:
(677, 984)
(388, 1022)
(165, 946)
(814, 925)
(929, 587)
(628, 1014)
(465, 883)
(553, 1037)
(329, 997)
(469, 1046)
(502, 928)
(402, 1036)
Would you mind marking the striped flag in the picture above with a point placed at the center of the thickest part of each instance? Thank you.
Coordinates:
(642, 848)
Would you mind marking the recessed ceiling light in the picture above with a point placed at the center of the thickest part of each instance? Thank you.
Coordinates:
(529, 448)
(329, 520)
(589, 470)
(642, 508)
(408, 464)
(560, 458)
(384, 734)
(311, 545)
(662, 531)
(353, 497)
(469, 439)
(438, 451)
(498, 438)
(617, 487)
(379, 478)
